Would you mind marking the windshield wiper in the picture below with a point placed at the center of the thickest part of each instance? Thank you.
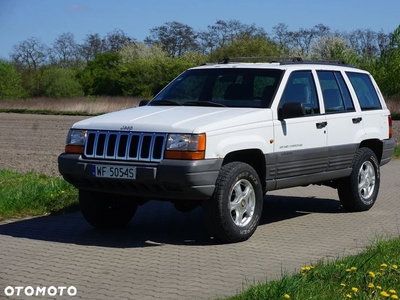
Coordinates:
(165, 102)
(203, 103)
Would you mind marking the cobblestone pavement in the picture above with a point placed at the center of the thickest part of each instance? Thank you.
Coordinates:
(165, 254)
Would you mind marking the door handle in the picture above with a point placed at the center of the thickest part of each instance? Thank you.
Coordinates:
(357, 120)
(321, 125)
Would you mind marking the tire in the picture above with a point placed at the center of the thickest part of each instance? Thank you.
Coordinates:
(359, 191)
(234, 211)
(104, 210)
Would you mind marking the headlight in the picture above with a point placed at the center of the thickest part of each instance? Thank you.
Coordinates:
(75, 141)
(186, 146)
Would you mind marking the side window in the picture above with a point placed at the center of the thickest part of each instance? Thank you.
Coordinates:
(333, 100)
(301, 88)
(334, 90)
(348, 102)
(365, 91)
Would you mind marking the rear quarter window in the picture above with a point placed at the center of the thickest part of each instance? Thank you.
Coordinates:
(365, 91)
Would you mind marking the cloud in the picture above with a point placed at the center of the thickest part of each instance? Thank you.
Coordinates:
(77, 7)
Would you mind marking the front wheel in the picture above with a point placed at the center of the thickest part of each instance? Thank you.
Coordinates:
(105, 210)
(359, 191)
(234, 211)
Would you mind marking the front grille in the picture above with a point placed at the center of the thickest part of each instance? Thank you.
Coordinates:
(132, 146)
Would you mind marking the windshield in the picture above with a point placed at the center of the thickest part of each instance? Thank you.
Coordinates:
(233, 87)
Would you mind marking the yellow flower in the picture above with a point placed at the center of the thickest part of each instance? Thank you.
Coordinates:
(392, 291)
(384, 294)
(384, 265)
(371, 274)
(343, 284)
(62, 192)
(287, 296)
(395, 266)
(394, 297)
(354, 289)
(371, 285)
(353, 268)
(378, 287)
(348, 295)
(348, 270)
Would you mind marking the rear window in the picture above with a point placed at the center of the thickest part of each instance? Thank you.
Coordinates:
(366, 93)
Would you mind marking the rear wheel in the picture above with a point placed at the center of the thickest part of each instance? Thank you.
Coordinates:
(234, 211)
(359, 191)
(105, 210)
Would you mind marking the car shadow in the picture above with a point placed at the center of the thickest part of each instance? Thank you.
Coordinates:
(155, 224)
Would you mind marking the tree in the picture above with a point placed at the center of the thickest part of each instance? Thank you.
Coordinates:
(92, 45)
(332, 47)
(246, 47)
(64, 51)
(364, 42)
(10, 82)
(30, 54)
(298, 43)
(101, 75)
(175, 38)
(223, 33)
(140, 50)
(388, 71)
(116, 40)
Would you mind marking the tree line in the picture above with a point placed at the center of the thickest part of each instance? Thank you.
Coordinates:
(119, 65)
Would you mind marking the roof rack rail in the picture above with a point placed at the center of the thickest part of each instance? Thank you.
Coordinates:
(322, 62)
(269, 59)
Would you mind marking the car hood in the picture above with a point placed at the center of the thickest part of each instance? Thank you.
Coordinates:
(177, 119)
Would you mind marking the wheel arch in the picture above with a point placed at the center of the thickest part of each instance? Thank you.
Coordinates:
(253, 157)
(375, 145)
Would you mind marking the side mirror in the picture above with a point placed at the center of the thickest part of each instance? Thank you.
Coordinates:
(291, 110)
(144, 102)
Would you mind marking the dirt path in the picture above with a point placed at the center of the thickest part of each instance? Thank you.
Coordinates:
(33, 142)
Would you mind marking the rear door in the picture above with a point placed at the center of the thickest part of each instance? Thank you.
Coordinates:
(344, 123)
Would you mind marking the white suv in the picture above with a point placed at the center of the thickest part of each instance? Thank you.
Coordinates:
(222, 135)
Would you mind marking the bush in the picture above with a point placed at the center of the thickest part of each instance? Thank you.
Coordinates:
(145, 78)
(10, 82)
(60, 83)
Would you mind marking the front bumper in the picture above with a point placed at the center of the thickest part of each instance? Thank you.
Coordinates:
(167, 180)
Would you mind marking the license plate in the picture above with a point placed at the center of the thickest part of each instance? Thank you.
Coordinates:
(114, 172)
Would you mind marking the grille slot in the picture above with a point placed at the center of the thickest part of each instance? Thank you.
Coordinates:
(131, 146)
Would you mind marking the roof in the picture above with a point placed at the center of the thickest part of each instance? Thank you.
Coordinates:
(268, 62)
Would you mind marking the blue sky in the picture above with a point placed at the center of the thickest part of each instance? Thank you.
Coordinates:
(47, 19)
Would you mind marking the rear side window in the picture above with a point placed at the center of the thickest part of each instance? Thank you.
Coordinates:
(335, 93)
(365, 91)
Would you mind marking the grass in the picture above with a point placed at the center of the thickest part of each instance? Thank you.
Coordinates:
(372, 274)
(85, 106)
(396, 153)
(31, 194)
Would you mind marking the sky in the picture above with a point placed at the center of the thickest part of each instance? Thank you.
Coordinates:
(47, 19)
